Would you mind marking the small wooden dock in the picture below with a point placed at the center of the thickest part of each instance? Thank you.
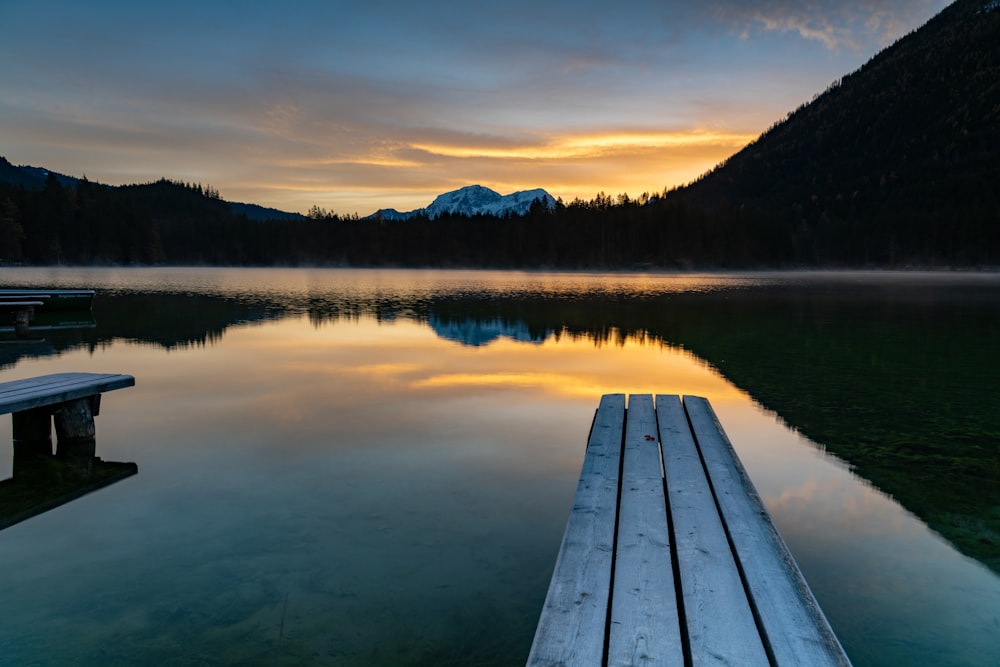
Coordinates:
(54, 299)
(34, 401)
(19, 306)
(669, 555)
(43, 481)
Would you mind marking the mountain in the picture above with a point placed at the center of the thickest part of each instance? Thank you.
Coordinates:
(260, 213)
(32, 178)
(894, 163)
(474, 200)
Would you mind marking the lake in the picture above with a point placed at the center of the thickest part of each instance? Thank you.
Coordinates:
(375, 467)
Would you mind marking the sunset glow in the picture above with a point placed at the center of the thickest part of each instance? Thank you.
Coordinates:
(596, 146)
(355, 108)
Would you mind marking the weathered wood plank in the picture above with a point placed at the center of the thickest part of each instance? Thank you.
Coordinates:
(720, 626)
(645, 628)
(571, 629)
(44, 293)
(19, 395)
(795, 628)
(57, 299)
(20, 304)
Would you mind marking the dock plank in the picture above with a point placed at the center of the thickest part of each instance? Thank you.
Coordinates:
(20, 304)
(720, 623)
(644, 622)
(19, 395)
(571, 630)
(793, 624)
(669, 555)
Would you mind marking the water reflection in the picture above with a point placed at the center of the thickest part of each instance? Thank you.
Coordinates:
(327, 480)
(43, 322)
(829, 353)
(42, 481)
(476, 333)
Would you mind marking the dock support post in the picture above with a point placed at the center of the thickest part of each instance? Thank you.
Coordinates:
(32, 425)
(75, 419)
(75, 431)
(22, 320)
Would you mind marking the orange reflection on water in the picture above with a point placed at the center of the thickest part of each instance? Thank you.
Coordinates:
(572, 367)
(407, 355)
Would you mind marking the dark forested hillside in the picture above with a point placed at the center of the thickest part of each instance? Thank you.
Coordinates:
(164, 222)
(896, 163)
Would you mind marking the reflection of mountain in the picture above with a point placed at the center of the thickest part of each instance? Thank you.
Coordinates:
(477, 333)
(899, 381)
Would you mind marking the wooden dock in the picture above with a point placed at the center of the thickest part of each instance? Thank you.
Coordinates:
(19, 306)
(43, 481)
(54, 299)
(670, 557)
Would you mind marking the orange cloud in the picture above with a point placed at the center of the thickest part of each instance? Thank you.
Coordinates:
(596, 145)
(410, 174)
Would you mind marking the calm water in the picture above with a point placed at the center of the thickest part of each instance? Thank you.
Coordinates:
(375, 467)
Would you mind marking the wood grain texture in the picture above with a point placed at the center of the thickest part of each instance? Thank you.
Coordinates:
(571, 629)
(793, 623)
(36, 392)
(645, 627)
(720, 624)
(700, 574)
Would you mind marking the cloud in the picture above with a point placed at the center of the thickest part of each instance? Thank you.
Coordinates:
(588, 146)
(569, 166)
(338, 106)
(850, 24)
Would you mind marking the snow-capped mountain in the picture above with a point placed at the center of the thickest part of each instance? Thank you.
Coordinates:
(474, 200)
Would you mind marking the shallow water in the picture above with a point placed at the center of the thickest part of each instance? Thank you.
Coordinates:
(374, 468)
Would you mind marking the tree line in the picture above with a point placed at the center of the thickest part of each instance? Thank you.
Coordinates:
(168, 222)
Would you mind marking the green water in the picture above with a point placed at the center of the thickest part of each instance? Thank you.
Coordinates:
(375, 467)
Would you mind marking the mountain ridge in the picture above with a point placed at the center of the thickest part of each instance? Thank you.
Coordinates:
(470, 200)
(473, 200)
(894, 162)
(34, 178)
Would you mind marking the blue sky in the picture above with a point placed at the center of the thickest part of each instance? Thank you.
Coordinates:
(358, 106)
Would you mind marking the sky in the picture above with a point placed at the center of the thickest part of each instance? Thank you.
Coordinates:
(356, 106)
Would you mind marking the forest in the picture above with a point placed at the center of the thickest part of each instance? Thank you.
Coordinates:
(180, 224)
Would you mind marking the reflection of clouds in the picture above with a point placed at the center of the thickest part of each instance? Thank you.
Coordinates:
(842, 502)
(505, 380)
(388, 370)
(354, 353)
